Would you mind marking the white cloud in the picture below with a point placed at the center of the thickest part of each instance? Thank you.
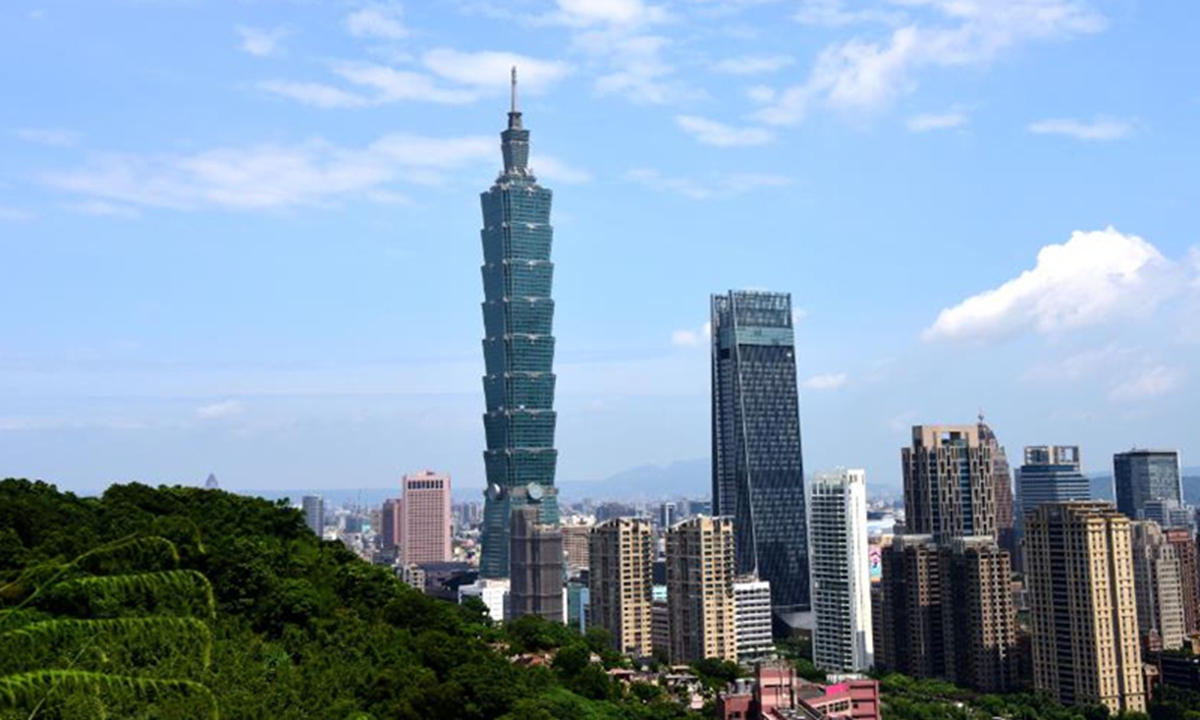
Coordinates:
(55, 137)
(391, 85)
(219, 410)
(13, 214)
(584, 13)
(489, 70)
(833, 13)
(261, 42)
(552, 169)
(1098, 129)
(269, 176)
(711, 132)
(1077, 366)
(753, 64)
(101, 208)
(637, 69)
(942, 121)
(828, 381)
(1090, 279)
(378, 20)
(865, 75)
(685, 338)
(798, 315)
(720, 185)
(315, 94)
(1148, 383)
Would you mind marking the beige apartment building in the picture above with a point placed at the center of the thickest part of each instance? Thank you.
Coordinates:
(1083, 606)
(621, 555)
(1158, 580)
(936, 500)
(700, 572)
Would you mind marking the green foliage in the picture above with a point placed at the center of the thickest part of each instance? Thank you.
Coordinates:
(716, 673)
(274, 622)
(905, 698)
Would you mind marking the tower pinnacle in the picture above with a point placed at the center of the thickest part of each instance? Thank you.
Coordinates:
(514, 89)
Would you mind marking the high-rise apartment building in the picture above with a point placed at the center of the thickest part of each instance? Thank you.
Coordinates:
(841, 583)
(537, 573)
(518, 346)
(576, 542)
(1083, 606)
(1158, 579)
(752, 619)
(979, 621)
(758, 468)
(911, 637)
(700, 572)
(1002, 489)
(313, 507)
(1143, 475)
(1189, 571)
(948, 611)
(620, 585)
(949, 488)
(390, 520)
(425, 531)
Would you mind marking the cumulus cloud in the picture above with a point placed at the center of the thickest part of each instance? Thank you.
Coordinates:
(552, 169)
(261, 42)
(753, 64)
(721, 185)
(270, 176)
(1147, 383)
(54, 137)
(828, 381)
(1092, 278)
(584, 13)
(219, 410)
(100, 208)
(711, 132)
(685, 338)
(864, 75)
(1100, 129)
(490, 69)
(833, 13)
(943, 121)
(378, 20)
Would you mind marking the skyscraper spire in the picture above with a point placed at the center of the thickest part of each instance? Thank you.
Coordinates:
(514, 114)
(514, 142)
(514, 89)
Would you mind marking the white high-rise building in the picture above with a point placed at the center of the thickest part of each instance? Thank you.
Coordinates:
(752, 618)
(841, 583)
(314, 514)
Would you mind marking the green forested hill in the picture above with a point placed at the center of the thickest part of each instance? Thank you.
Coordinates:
(104, 612)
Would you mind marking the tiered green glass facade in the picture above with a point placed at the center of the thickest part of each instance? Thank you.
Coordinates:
(518, 348)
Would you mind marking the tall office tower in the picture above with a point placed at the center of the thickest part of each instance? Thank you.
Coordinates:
(390, 520)
(1050, 473)
(1168, 513)
(912, 633)
(841, 582)
(1002, 491)
(621, 554)
(1083, 606)
(752, 619)
(758, 469)
(1141, 475)
(1158, 580)
(700, 571)
(667, 515)
(425, 531)
(1189, 575)
(537, 565)
(313, 507)
(979, 621)
(948, 486)
(518, 349)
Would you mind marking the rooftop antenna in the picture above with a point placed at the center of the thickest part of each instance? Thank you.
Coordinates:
(514, 89)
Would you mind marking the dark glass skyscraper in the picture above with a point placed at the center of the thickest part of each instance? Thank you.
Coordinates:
(1140, 476)
(758, 467)
(518, 347)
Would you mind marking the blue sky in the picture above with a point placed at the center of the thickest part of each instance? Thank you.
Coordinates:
(241, 237)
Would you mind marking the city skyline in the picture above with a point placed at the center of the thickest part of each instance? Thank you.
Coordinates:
(241, 297)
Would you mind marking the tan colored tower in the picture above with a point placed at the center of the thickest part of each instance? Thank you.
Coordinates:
(1158, 577)
(1181, 539)
(700, 575)
(621, 554)
(1083, 606)
(949, 489)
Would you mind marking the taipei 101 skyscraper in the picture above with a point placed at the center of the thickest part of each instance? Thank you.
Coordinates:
(518, 347)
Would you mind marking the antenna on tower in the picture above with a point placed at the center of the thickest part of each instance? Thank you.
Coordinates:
(514, 89)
